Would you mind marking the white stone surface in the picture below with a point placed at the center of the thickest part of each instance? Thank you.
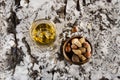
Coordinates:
(99, 21)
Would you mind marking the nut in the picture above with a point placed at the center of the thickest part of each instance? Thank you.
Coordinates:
(88, 54)
(75, 58)
(74, 29)
(83, 58)
(87, 45)
(89, 49)
(82, 40)
(73, 46)
(76, 42)
(77, 52)
(67, 48)
(83, 50)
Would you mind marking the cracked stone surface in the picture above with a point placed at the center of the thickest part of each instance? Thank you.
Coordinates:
(22, 59)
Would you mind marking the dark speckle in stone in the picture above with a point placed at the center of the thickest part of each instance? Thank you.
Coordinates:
(2, 3)
(41, 67)
(101, 28)
(119, 63)
(103, 78)
(92, 12)
(78, 5)
(91, 62)
(118, 77)
(109, 1)
(17, 2)
(84, 2)
(34, 74)
(56, 20)
(76, 78)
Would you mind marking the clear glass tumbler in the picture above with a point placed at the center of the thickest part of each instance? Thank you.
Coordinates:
(43, 32)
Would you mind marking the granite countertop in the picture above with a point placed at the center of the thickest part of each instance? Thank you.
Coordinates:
(22, 59)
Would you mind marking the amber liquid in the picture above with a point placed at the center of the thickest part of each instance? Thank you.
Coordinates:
(44, 33)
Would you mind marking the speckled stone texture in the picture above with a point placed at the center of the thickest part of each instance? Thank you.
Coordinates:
(22, 59)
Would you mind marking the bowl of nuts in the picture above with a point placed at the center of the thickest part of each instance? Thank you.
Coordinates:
(77, 50)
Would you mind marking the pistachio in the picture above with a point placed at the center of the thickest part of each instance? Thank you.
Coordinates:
(82, 40)
(73, 46)
(67, 48)
(83, 50)
(75, 58)
(76, 42)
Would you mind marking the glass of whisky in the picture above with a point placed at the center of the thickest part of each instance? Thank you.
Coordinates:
(43, 32)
